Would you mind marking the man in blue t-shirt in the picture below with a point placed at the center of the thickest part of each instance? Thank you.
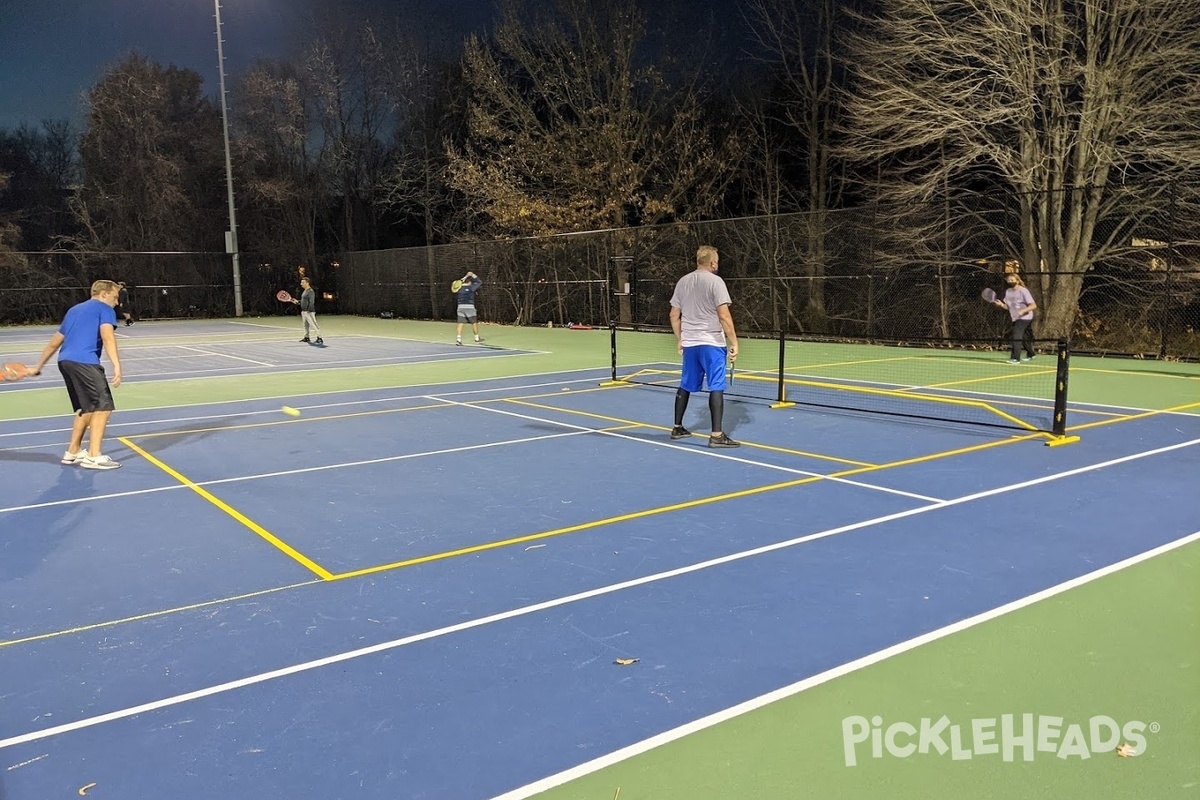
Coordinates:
(86, 329)
(466, 306)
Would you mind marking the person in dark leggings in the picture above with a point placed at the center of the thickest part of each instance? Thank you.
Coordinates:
(1020, 306)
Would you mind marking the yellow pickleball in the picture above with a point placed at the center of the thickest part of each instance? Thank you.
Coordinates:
(291, 412)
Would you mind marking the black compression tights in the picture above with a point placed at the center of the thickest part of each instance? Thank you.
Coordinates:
(716, 407)
(681, 401)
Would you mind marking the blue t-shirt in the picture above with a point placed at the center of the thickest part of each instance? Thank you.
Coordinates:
(466, 295)
(81, 331)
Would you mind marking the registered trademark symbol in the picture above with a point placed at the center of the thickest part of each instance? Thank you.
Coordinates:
(1155, 727)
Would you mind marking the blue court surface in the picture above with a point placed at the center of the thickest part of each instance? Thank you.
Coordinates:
(422, 592)
(170, 350)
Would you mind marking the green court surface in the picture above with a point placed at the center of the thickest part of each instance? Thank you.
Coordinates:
(1119, 382)
(1125, 646)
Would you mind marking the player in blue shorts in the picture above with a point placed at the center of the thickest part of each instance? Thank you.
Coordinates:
(86, 328)
(706, 337)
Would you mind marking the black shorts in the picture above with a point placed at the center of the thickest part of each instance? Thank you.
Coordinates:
(87, 386)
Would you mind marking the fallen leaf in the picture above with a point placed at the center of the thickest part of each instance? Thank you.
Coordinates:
(1126, 750)
(625, 662)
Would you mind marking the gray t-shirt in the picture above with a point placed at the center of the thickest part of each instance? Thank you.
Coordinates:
(308, 300)
(698, 295)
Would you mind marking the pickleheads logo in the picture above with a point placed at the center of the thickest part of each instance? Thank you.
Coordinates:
(1006, 737)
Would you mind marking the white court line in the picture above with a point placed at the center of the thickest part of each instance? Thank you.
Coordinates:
(222, 355)
(605, 369)
(261, 325)
(273, 411)
(687, 729)
(26, 386)
(721, 454)
(370, 360)
(298, 471)
(125, 713)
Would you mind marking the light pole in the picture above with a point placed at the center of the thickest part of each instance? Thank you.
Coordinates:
(231, 240)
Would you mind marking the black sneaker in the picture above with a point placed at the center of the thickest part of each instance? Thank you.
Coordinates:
(722, 441)
(679, 432)
(319, 340)
(305, 340)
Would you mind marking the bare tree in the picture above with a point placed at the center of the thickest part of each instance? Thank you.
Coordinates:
(44, 168)
(567, 132)
(1052, 101)
(351, 72)
(418, 189)
(279, 160)
(797, 43)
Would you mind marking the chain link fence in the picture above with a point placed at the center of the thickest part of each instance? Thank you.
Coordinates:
(866, 273)
(40, 287)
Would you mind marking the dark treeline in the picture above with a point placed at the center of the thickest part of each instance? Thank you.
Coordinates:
(570, 115)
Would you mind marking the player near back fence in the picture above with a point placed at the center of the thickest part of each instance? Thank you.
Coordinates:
(705, 336)
(308, 311)
(86, 329)
(468, 285)
(1020, 306)
(123, 308)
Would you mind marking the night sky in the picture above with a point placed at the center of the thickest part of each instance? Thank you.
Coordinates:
(51, 51)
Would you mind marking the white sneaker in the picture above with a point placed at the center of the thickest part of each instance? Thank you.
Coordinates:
(99, 462)
(71, 459)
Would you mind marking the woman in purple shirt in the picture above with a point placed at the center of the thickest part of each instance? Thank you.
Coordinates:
(1020, 306)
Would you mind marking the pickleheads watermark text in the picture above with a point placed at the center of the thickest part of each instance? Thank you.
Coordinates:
(1009, 737)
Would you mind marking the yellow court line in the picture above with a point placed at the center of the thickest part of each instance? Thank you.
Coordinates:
(598, 523)
(606, 418)
(982, 380)
(852, 363)
(281, 545)
(1131, 417)
(545, 534)
(932, 398)
(1139, 373)
(583, 526)
(1025, 437)
(673, 507)
(152, 614)
(300, 421)
(559, 393)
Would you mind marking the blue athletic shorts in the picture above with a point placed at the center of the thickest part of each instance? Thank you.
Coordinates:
(703, 361)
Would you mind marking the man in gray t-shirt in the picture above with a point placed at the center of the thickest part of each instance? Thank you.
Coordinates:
(705, 336)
